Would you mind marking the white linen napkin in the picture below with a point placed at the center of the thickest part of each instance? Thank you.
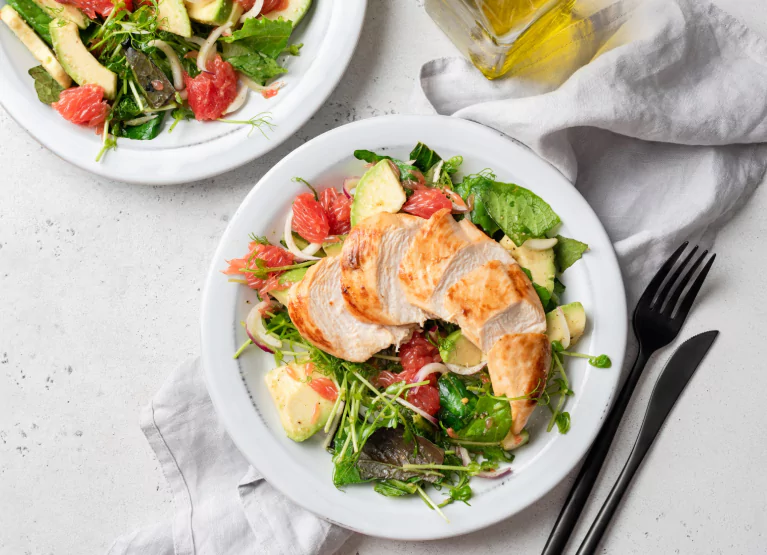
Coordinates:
(658, 132)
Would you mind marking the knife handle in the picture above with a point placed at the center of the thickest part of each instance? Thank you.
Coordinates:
(595, 458)
(602, 521)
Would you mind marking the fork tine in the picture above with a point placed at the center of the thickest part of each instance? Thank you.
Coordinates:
(679, 289)
(686, 304)
(670, 283)
(652, 288)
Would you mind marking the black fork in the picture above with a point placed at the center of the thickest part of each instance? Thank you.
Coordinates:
(658, 317)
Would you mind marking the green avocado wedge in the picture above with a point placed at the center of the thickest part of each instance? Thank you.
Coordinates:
(294, 11)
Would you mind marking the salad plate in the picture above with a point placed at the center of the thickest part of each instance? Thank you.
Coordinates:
(293, 459)
(194, 150)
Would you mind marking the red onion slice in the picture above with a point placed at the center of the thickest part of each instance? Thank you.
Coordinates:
(254, 325)
(464, 454)
(493, 474)
(466, 370)
(428, 369)
(291, 244)
(350, 185)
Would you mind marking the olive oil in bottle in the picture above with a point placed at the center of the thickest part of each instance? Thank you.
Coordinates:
(507, 36)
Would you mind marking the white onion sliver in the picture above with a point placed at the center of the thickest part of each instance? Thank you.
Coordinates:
(416, 410)
(175, 63)
(253, 12)
(210, 45)
(139, 121)
(311, 249)
(195, 40)
(491, 474)
(291, 244)
(255, 326)
(460, 209)
(334, 426)
(565, 341)
(540, 244)
(429, 369)
(250, 83)
(438, 171)
(466, 370)
(239, 100)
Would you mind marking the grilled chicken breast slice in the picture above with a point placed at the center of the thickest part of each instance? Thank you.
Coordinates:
(519, 365)
(430, 254)
(370, 262)
(494, 300)
(318, 310)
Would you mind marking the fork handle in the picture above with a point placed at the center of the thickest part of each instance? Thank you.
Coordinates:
(600, 524)
(584, 483)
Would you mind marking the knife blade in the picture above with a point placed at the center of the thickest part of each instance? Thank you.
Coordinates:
(672, 381)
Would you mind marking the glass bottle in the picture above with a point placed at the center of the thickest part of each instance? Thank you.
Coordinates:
(502, 36)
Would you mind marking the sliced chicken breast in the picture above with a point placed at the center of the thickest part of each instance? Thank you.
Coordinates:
(494, 300)
(318, 310)
(370, 262)
(519, 366)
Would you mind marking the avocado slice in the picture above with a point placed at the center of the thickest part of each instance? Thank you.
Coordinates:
(575, 316)
(34, 16)
(379, 190)
(35, 45)
(214, 12)
(334, 248)
(173, 17)
(540, 263)
(512, 441)
(77, 61)
(303, 411)
(293, 12)
(64, 11)
(458, 350)
(292, 277)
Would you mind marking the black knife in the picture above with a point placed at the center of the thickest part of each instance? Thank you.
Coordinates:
(668, 388)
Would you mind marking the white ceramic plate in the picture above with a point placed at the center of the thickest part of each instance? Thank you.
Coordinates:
(195, 150)
(303, 470)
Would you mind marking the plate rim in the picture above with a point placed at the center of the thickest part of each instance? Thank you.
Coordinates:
(620, 326)
(349, 17)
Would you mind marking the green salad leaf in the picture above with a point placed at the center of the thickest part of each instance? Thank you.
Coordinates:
(454, 412)
(267, 36)
(34, 16)
(491, 421)
(405, 170)
(473, 186)
(46, 87)
(423, 157)
(126, 108)
(567, 252)
(520, 213)
(395, 488)
(143, 132)
(259, 67)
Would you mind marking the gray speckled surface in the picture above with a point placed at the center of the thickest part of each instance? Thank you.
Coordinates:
(99, 299)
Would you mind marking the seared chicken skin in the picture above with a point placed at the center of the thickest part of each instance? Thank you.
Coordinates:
(398, 270)
(370, 262)
(318, 310)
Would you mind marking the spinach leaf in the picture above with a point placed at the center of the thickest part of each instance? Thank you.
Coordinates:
(395, 488)
(491, 421)
(257, 66)
(567, 252)
(454, 413)
(144, 132)
(34, 16)
(559, 287)
(520, 213)
(423, 157)
(345, 472)
(47, 88)
(405, 170)
(265, 36)
(543, 293)
(473, 185)
(125, 109)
